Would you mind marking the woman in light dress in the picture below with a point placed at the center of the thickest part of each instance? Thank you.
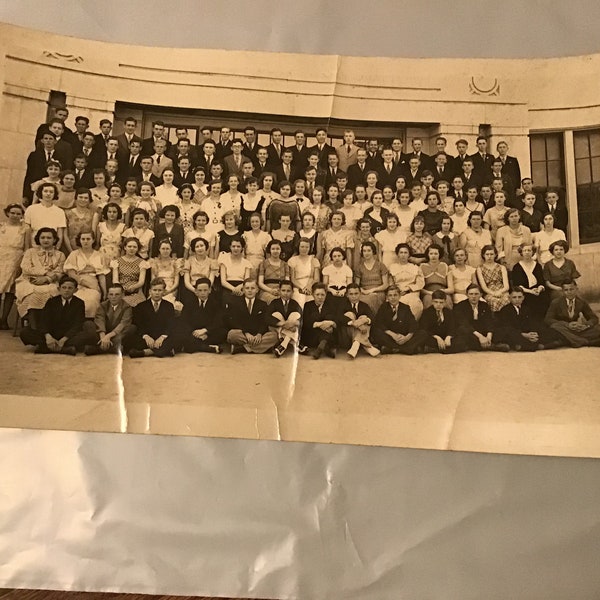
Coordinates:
(12, 248)
(256, 241)
(167, 268)
(474, 239)
(304, 272)
(545, 237)
(88, 268)
(409, 279)
(461, 275)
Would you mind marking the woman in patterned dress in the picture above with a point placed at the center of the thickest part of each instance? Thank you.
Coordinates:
(418, 241)
(41, 268)
(435, 273)
(80, 218)
(336, 237)
(198, 264)
(271, 272)
(110, 232)
(130, 271)
(493, 279)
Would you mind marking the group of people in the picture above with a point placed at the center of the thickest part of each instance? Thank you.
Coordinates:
(158, 248)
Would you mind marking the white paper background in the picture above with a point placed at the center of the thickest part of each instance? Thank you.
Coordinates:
(267, 519)
(162, 514)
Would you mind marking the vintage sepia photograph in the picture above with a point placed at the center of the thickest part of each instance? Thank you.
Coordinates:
(356, 250)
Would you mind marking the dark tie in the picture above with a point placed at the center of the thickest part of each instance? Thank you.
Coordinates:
(571, 304)
(355, 309)
(348, 149)
(131, 161)
(388, 168)
(440, 317)
(158, 160)
(285, 307)
(250, 306)
(394, 313)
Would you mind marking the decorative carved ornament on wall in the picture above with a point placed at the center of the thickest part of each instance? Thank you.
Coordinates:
(61, 56)
(484, 86)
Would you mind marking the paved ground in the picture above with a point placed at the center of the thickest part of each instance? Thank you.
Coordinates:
(542, 403)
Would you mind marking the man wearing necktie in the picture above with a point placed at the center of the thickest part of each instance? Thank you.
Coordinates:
(475, 323)
(357, 317)
(202, 320)
(394, 328)
(246, 320)
(347, 151)
(521, 329)
(284, 319)
(319, 324)
(60, 328)
(573, 319)
(155, 322)
(439, 325)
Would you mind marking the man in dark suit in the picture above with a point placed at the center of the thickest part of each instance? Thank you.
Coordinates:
(128, 135)
(37, 160)
(475, 322)
(61, 322)
(158, 133)
(146, 173)
(154, 320)
(111, 152)
(319, 324)
(207, 156)
(83, 174)
(206, 135)
(354, 324)
(223, 148)
(251, 146)
(261, 163)
(482, 159)
(320, 173)
(518, 327)
(275, 148)
(373, 155)
(552, 204)
(510, 164)
(61, 113)
(439, 325)
(81, 126)
(202, 318)
(417, 152)
(441, 168)
(394, 329)
(357, 173)
(508, 185)
(284, 319)
(183, 148)
(112, 324)
(132, 167)
(333, 168)
(462, 147)
(469, 176)
(387, 171)
(572, 317)
(105, 133)
(63, 145)
(246, 321)
(286, 170)
(412, 171)
(183, 172)
(299, 151)
(322, 147)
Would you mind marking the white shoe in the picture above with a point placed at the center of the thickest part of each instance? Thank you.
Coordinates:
(372, 351)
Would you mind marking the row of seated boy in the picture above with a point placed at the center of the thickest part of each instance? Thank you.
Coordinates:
(249, 325)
